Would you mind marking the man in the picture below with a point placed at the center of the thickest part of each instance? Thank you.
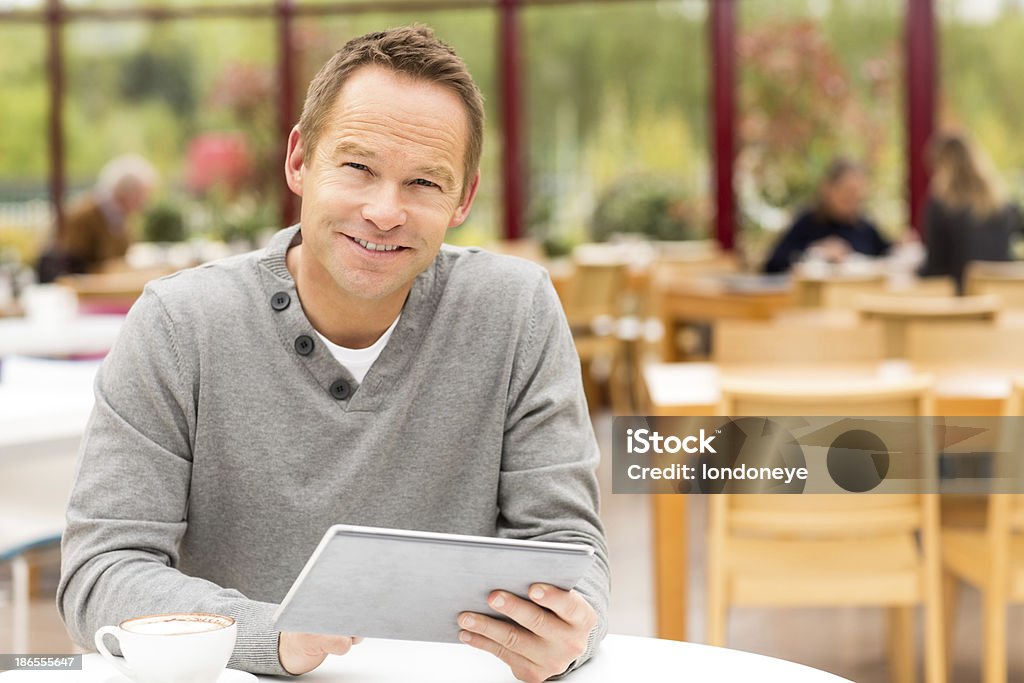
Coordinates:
(836, 227)
(95, 230)
(228, 436)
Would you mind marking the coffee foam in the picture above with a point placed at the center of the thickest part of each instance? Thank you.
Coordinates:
(174, 626)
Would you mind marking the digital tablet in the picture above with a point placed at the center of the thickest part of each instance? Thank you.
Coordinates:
(412, 585)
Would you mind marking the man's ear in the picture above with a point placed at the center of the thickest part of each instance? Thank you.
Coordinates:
(293, 161)
(462, 212)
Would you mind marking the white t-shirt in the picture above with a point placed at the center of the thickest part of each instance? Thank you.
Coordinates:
(358, 361)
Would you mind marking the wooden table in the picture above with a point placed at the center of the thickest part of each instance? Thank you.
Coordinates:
(896, 312)
(113, 291)
(706, 299)
(693, 389)
(829, 289)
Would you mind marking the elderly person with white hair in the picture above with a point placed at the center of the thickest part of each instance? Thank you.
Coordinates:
(95, 228)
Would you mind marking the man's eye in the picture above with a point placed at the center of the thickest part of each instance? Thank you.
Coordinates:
(425, 183)
(358, 167)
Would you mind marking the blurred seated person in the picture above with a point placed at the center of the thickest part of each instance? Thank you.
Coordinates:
(968, 216)
(835, 227)
(95, 231)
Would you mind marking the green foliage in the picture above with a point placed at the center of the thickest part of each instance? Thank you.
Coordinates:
(804, 102)
(611, 90)
(643, 204)
(23, 105)
(239, 218)
(979, 70)
(166, 75)
(164, 222)
(653, 56)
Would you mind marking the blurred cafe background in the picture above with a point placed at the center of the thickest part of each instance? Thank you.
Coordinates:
(654, 156)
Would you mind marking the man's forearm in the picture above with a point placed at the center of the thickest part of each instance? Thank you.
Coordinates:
(110, 588)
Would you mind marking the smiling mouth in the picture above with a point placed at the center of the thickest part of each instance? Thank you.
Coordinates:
(375, 247)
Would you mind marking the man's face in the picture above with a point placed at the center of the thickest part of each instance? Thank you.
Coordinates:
(132, 196)
(845, 197)
(384, 183)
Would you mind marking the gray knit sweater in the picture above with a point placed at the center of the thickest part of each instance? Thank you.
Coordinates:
(225, 440)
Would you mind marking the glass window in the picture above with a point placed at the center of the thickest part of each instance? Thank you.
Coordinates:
(20, 5)
(472, 33)
(617, 120)
(818, 78)
(25, 215)
(198, 99)
(119, 4)
(980, 63)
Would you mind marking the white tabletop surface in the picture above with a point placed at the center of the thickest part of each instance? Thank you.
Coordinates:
(44, 404)
(74, 336)
(699, 383)
(620, 658)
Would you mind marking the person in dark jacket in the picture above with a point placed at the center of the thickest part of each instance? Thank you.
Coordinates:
(835, 226)
(968, 217)
(95, 232)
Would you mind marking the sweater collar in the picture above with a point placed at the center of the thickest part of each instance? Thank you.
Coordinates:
(274, 255)
(292, 323)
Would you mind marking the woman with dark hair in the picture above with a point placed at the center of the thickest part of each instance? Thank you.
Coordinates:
(835, 226)
(968, 217)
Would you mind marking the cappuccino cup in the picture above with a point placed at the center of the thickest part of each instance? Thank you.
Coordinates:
(189, 647)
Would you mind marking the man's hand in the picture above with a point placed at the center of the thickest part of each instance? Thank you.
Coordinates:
(549, 634)
(302, 652)
(832, 249)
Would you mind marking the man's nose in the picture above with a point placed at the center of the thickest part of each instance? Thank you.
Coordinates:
(384, 207)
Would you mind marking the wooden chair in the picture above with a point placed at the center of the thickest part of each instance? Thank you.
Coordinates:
(593, 294)
(526, 247)
(741, 342)
(831, 550)
(974, 349)
(111, 292)
(686, 249)
(991, 558)
(1004, 279)
(924, 286)
(969, 343)
(591, 301)
(985, 354)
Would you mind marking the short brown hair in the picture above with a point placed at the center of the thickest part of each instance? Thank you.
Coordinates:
(413, 51)
(839, 168)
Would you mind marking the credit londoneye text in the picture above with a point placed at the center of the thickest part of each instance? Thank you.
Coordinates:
(645, 441)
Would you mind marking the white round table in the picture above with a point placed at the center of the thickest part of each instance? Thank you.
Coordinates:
(620, 658)
(79, 335)
(44, 406)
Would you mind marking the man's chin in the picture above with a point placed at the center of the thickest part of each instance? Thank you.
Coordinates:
(373, 289)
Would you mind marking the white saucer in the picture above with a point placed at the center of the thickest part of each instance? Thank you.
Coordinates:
(229, 676)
